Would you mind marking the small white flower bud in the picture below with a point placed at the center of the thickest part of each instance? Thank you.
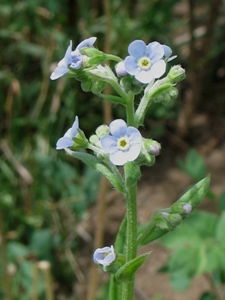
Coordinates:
(120, 69)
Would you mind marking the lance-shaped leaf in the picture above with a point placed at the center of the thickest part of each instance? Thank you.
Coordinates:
(121, 237)
(166, 220)
(127, 271)
(93, 162)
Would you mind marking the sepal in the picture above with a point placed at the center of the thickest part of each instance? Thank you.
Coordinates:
(127, 271)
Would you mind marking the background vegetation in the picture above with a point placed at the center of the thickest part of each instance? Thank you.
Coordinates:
(44, 195)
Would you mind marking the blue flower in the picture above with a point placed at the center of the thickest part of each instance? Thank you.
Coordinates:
(104, 256)
(72, 59)
(145, 62)
(123, 145)
(67, 140)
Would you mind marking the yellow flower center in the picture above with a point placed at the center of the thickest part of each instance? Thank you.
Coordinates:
(123, 143)
(144, 63)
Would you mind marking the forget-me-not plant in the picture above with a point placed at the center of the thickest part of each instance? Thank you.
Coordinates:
(120, 143)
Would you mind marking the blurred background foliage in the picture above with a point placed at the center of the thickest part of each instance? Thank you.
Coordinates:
(44, 194)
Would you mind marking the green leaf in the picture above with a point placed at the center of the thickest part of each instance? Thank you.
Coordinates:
(179, 281)
(194, 165)
(132, 172)
(42, 242)
(221, 229)
(93, 162)
(211, 257)
(221, 201)
(121, 237)
(184, 235)
(16, 251)
(127, 271)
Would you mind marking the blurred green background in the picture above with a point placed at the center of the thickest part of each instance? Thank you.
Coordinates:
(44, 194)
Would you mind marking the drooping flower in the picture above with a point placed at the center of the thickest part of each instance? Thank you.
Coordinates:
(145, 62)
(67, 140)
(72, 59)
(124, 144)
(104, 256)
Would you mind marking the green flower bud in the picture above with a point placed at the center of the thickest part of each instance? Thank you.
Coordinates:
(102, 130)
(176, 74)
(175, 219)
(98, 86)
(101, 72)
(158, 88)
(129, 83)
(94, 140)
(151, 146)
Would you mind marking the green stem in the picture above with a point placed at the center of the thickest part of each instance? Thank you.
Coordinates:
(130, 109)
(131, 242)
(141, 110)
(118, 89)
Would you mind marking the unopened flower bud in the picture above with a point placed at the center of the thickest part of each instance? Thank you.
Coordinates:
(175, 219)
(176, 74)
(188, 208)
(151, 146)
(120, 69)
(94, 140)
(173, 92)
(102, 130)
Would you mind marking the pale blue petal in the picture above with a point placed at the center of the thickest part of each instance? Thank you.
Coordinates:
(59, 72)
(118, 158)
(137, 49)
(64, 142)
(144, 76)
(74, 128)
(172, 57)
(68, 54)
(155, 51)
(167, 51)
(133, 152)
(109, 259)
(134, 135)
(158, 68)
(87, 43)
(118, 128)
(109, 143)
(131, 65)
